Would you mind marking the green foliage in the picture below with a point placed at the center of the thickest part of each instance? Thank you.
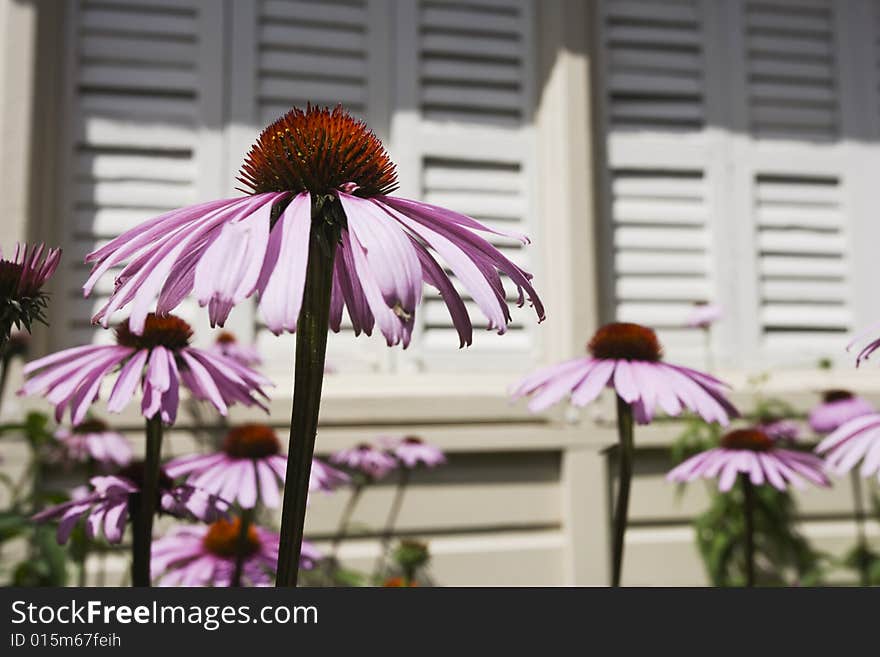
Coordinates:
(47, 564)
(782, 555)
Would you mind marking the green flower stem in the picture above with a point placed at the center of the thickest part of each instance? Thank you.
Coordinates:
(5, 361)
(391, 521)
(625, 468)
(345, 518)
(247, 519)
(308, 378)
(862, 541)
(749, 516)
(144, 508)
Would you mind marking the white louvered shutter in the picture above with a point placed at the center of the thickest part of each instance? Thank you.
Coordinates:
(288, 53)
(463, 139)
(139, 90)
(658, 206)
(797, 167)
(730, 177)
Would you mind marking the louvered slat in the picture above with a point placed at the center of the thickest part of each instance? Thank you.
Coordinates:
(134, 132)
(654, 55)
(803, 265)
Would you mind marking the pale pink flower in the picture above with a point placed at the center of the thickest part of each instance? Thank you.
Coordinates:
(226, 344)
(22, 301)
(93, 439)
(704, 315)
(627, 357)
(412, 450)
(249, 468)
(307, 164)
(157, 361)
(366, 459)
(106, 508)
(854, 441)
(837, 408)
(753, 453)
(199, 555)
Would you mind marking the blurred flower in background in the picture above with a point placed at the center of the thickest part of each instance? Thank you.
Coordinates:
(22, 300)
(410, 451)
(854, 441)
(627, 357)
(94, 439)
(205, 555)
(226, 344)
(704, 315)
(837, 408)
(106, 508)
(156, 361)
(249, 467)
(366, 459)
(756, 455)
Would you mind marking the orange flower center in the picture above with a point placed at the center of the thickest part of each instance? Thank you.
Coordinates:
(225, 337)
(754, 440)
(398, 582)
(836, 395)
(252, 441)
(169, 331)
(319, 151)
(91, 426)
(222, 539)
(625, 341)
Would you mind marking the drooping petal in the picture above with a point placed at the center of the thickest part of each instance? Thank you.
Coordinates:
(227, 272)
(127, 382)
(388, 250)
(283, 275)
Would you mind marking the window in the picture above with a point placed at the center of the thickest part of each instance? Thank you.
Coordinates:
(165, 97)
(738, 139)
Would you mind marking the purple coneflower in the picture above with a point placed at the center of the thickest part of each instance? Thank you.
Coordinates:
(837, 408)
(780, 429)
(317, 234)
(854, 428)
(627, 358)
(366, 459)
(754, 458)
(226, 344)
(308, 163)
(704, 315)
(107, 507)
(94, 439)
(249, 467)
(754, 453)
(158, 360)
(854, 441)
(207, 555)
(412, 450)
(22, 301)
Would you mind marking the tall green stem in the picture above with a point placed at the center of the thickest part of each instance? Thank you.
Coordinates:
(749, 513)
(311, 347)
(625, 467)
(862, 542)
(246, 519)
(391, 521)
(145, 507)
(5, 360)
(345, 518)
